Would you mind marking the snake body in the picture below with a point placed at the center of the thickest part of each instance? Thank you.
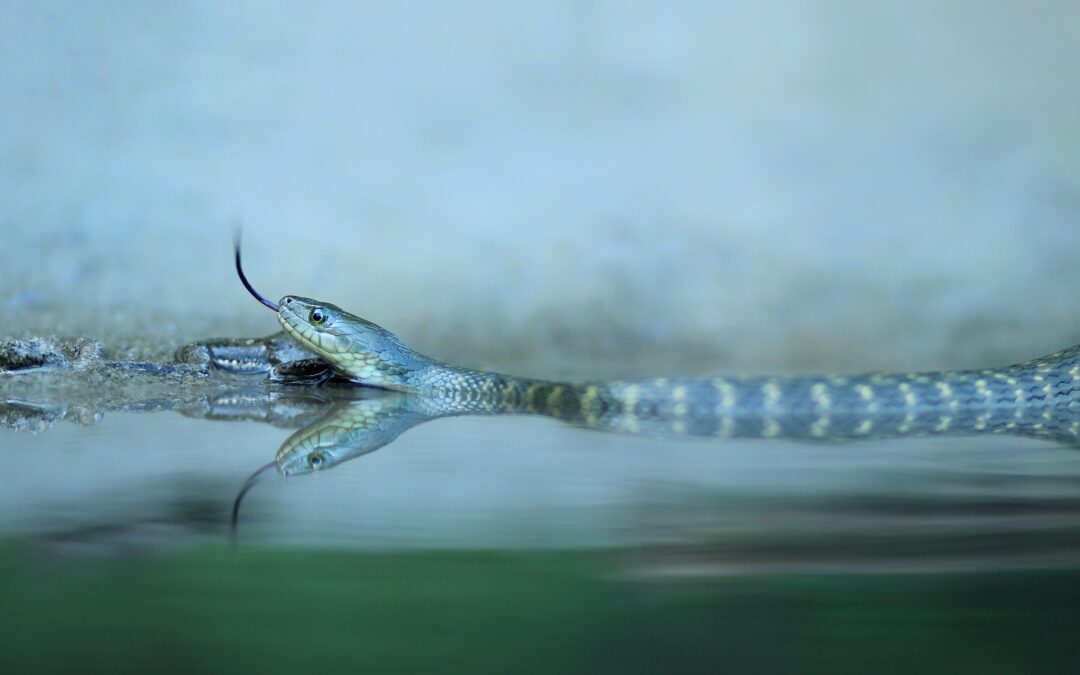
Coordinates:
(1039, 397)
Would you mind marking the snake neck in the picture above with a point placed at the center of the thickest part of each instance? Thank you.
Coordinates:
(476, 391)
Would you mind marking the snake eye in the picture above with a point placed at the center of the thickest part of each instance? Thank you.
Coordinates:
(316, 461)
(318, 316)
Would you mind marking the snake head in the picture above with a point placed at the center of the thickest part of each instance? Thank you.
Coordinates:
(355, 348)
(321, 327)
(349, 430)
(313, 448)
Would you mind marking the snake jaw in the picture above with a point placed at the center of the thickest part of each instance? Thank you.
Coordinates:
(292, 315)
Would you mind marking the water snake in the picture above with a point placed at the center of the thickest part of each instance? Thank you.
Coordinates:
(1039, 397)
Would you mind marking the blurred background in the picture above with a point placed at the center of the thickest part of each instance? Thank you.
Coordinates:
(784, 185)
(572, 188)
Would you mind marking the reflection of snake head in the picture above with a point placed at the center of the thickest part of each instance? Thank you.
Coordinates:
(355, 347)
(348, 431)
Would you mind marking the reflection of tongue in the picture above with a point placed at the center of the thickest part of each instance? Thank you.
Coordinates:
(248, 484)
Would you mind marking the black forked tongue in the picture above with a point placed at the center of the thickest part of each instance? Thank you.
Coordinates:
(243, 279)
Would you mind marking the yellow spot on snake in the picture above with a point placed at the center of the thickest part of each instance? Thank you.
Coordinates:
(589, 397)
(530, 393)
(631, 396)
(679, 395)
(910, 399)
(944, 424)
(865, 428)
(866, 392)
(727, 396)
(553, 397)
(909, 419)
(771, 429)
(820, 394)
(679, 427)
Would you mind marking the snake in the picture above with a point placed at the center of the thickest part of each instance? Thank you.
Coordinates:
(1040, 397)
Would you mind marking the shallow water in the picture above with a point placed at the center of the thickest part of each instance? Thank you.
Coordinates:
(142, 481)
(608, 550)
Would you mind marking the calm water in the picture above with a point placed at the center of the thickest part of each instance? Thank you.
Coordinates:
(477, 542)
(138, 482)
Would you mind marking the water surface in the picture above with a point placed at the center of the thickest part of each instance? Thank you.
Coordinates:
(651, 546)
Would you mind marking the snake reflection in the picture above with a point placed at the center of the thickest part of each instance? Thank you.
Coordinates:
(353, 427)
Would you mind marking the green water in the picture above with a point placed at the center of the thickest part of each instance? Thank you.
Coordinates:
(212, 609)
(521, 544)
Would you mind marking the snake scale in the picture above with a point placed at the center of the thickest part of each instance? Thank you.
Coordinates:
(1037, 398)
(1024, 397)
